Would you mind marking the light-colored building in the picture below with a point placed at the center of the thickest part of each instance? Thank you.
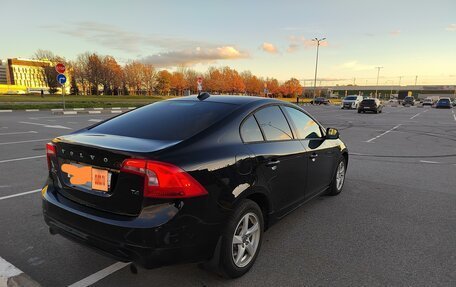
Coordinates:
(28, 73)
(3, 72)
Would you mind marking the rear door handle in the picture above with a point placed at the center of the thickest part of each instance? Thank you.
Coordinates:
(272, 163)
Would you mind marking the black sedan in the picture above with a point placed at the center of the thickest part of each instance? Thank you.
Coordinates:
(193, 179)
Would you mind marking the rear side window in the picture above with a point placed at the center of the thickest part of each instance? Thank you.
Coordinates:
(167, 120)
(273, 123)
(250, 131)
(305, 126)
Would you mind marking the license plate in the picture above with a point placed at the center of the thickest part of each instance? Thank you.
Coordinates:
(88, 177)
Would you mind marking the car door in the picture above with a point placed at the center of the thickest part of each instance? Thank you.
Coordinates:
(320, 153)
(280, 158)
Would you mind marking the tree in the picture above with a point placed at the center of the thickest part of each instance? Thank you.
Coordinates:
(111, 75)
(253, 85)
(291, 88)
(133, 73)
(80, 72)
(213, 80)
(149, 77)
(273, 87)
(164, 82)
(50, 74)
(232, 81)
(95, 72)
(178, 83)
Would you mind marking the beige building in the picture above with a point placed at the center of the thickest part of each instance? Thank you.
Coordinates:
(28, 73)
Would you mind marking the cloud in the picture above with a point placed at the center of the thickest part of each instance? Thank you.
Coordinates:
(269, 48)
(198, 55)
(295, 42)
(355, 66)
(451, 28)
(395, 33)
(169, 51)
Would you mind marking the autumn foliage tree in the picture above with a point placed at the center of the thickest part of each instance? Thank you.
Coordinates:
(291, 88)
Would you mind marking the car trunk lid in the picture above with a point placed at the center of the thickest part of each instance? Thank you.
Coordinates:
(88, 170)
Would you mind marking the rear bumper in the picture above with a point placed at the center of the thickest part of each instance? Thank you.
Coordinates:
(160, 235)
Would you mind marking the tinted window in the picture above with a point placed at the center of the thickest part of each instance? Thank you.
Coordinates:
(305, 126)
(273, 123)
(444, 101)
(250, 131)
(167, 120)
(351, 98)
(368, 101)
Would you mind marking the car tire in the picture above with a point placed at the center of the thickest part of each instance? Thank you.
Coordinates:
(359, 111)
(338, 180)
(235, 231)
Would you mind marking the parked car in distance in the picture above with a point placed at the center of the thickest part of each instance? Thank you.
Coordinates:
(428, 102)
(408, 101)
(320, 101)
(202, 187)
(454, 103)
(370, 105)
(443, 103)
(351, 102)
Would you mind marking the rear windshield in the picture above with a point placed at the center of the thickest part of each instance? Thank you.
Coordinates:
(408, 98)
(350, 98)
(369, 101)
(167, 120)
(444, 101)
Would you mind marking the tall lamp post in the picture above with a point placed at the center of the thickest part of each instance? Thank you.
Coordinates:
(316, 67)
(378, 75)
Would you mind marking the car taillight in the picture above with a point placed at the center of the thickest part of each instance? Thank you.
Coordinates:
(163, 180)
(50, 152)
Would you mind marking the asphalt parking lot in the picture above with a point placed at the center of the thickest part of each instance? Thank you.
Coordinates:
(394, 224)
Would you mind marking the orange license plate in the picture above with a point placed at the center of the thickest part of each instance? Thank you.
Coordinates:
(87, 176)
(99, 179)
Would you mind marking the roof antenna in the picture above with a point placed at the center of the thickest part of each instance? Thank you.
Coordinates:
(203, 96)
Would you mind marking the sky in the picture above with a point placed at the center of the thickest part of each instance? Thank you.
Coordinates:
(268, 38)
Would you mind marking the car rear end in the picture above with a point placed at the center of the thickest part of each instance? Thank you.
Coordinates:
(368, 105)
(108, 188)
(408, 101)
(443, 104)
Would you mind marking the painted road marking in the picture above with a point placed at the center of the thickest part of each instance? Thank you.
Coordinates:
(18, 133)
(380, 135)
(428, 161)
(415, 116)
(22, 158)
(32, 110)
(20, 194)
(47, 126)
(95, 120)
(90, 280)
(6, 111)
(116, 112)
(29, 141)
(94, 112)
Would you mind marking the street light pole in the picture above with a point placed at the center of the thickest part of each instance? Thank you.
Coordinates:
(316, 67)
(378, 76)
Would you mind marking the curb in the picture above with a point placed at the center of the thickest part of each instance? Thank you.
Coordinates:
(10, 276)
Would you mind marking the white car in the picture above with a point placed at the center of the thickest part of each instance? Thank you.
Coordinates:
(351, 102)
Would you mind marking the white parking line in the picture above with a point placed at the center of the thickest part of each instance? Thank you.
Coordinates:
(19, 194)
(95, 120)
(415, 116)
(428, 161)
(19, 142)
(22, 158)
(18, 133)
(6, 111)
(380, 135)
(47, 126)
(90, 280)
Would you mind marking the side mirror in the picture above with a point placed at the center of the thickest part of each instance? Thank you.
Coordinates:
(332, 134)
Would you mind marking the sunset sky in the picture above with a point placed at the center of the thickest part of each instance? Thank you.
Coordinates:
(269, 38)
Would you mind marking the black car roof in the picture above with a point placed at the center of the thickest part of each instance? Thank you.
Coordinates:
(228, 99)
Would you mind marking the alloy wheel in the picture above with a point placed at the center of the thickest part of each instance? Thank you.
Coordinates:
(246, 238)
